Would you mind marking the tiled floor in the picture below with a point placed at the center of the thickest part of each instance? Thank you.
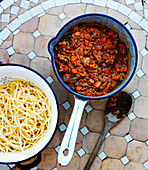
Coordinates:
(25, 29)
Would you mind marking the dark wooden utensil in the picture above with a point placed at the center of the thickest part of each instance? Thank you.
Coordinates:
(116, 108)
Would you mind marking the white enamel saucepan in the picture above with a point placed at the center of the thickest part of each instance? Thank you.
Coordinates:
(22, 72)
(70, 136)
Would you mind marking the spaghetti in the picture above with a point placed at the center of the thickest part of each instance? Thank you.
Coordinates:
(25, 114)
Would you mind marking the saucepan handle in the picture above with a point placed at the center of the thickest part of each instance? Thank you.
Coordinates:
(69, 140)
(31, 165)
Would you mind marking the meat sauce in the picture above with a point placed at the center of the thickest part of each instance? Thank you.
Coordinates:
(91, 59)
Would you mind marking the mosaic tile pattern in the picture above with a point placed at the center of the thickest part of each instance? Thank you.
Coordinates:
(26, 26)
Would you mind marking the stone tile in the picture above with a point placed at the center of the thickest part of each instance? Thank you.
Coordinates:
(12, 17)
(138, 129)
(124, 160)
(138, 6)
(61, 113)
(74, 1)
(14, 10)
(102, 155)
(142, 86)
(56, 140)
(36, 34)
(89, 141)
(134, 166)
(124, 10)
(135, 17)
(62, 16)
(1, 9)
(83, 119)
(113, 148)
(140, 73)
(14, 25)
(31, 55)
(136, 94)
(4, 34)
(7, 3)
(62, 127)
(23, 43)
(40, 47)
(137, 152)
(24, 4)
(74, 164)
(84, 130)
(24, 17)
(91, 8)
(97, 117)
(19, 59)
(10, 51)
(113, 4)
(79, 141)
(72, 10)
(49, 79)
(4, 167)
(49, 25)
(48, 4)
(5, 18)
(60, 92)
(144, 52)
(55, 11)
(36, 10)
(128, 138)
(146, 164)
(81, 152)
(139, 37)
(8, 42)
(99, 104)
(4, 56)
(146, 13)
(96, 164)
(131, 116)
(66, 105)
(122, 128)
(102, 3)
(88, 108)
(30, 26)
(143, 23)
(48, 154)
(110, 164)
(101, 10)
(42, 65)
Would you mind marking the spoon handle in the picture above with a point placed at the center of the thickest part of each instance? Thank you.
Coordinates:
(108, 126)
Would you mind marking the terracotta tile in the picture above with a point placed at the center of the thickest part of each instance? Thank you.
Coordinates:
(140, 38)
(96, 164)
(74, 164)
(8, 42)
(62, 114)
(137, 152)
(99, 104)
(4, 56)
(60, 92)
(132, 85)
(141, 107)
(53, 75)
(144, 65)
(56, 140)
(42, 65)
(21, 11)
(112, 164)
(133, 24)
(122, 128)
(83, 120)
(74, 10)
(138, 129)
(55, 11)
(23, 43)
(7, 11)
(49, 158)
(30, 26)
(89, 141)
(3, 25)
(101, 10)
(12, 17)
(115, 147)
(71, 99)
(49, 25)
(40, 47)
(134, 166)
(117, 15)
(95, 121)
(79, 141)
(20, 59)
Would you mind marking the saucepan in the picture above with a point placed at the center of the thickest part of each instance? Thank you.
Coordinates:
(69, 140)
(8, 71)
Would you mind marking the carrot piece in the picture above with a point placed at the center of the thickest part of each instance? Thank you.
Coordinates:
(75, 28)
(66, 68)
(99, 48)
(110, 33)
(90, 57)
(78, 64)
(107, 71)
(97, 84)
(91, 75)
(125, 69)
(86, 42)
(77, 34)
(94, 52)
(88, 94)
(73, 59)
(85, 32)
(92, 29)
(103, 40)
(74, 70)
(78, 88)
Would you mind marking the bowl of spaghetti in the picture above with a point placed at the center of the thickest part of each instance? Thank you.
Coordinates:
(28, 113)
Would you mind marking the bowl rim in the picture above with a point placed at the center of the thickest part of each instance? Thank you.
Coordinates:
(57, 108)
(115, 90)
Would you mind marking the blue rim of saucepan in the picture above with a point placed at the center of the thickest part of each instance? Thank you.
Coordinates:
(19, 65)
(75, 93)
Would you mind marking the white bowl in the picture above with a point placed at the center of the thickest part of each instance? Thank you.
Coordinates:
(18, 71)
